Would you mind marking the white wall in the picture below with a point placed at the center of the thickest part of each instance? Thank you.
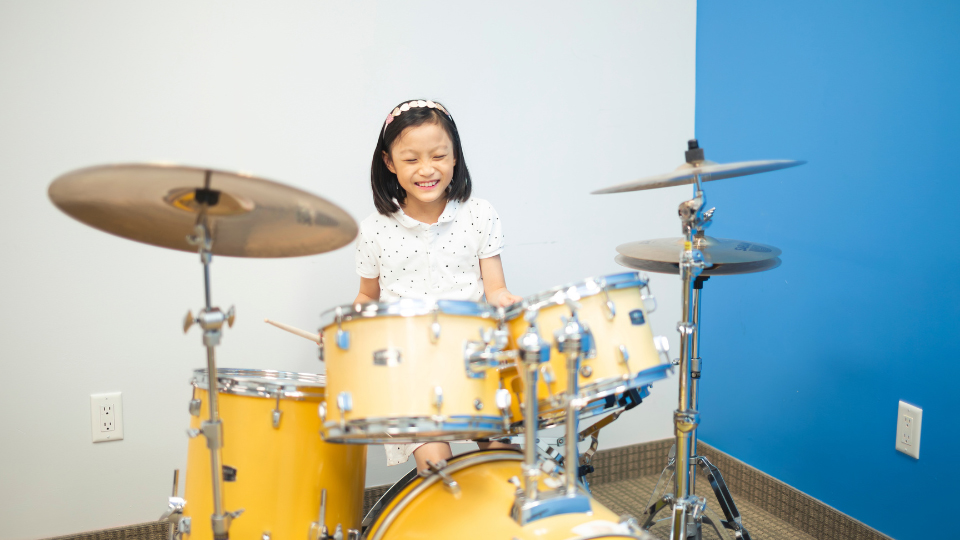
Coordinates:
(553, 99)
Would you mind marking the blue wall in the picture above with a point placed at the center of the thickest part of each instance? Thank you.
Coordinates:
(804, 364)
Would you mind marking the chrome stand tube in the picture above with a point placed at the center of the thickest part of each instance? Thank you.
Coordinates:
(695, 367)
(211, 321)
(531, 471)
(571, 458)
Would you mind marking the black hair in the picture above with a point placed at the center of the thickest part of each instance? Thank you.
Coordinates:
(385, 185)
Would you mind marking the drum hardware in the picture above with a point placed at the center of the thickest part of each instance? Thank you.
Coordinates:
(437, 469)
(530, 504)
(343, 338)
(503, 401)
(438, 403)
(435, 326)
(276, 414)
(318, 529)
(174, 514)
(698, 257)
(387, 357)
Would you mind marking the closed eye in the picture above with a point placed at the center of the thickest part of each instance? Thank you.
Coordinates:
(440, 157)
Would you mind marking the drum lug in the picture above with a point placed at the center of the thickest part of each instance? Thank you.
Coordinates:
(478, 404)
(663, 348)
(503, 400)
(277, 413)
(343, 338)
(195, 407)
(322, 411)
(625, 357)
(353, 534)
(648, 299)
(344, 402)
(435, 326)
(610, 309)
(438, 400)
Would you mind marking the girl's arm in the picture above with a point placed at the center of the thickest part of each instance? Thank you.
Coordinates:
(370, 290)
(494, 284)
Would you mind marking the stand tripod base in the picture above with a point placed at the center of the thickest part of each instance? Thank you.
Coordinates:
(689, 513)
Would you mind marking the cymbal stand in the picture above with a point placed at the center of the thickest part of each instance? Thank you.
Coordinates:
(211, 320)
(530, 503)
(688, 510)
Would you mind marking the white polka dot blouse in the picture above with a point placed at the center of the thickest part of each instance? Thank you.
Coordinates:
(432, 262)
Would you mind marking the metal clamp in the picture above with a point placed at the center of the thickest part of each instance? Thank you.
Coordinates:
(437, 469)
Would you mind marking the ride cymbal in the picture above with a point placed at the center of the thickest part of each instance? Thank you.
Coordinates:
(159, 204)
(715, 270)
(715, 250)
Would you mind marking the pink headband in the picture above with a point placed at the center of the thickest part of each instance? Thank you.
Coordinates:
(409, 105)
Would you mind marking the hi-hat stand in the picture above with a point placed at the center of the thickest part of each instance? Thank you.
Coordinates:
(689, 510)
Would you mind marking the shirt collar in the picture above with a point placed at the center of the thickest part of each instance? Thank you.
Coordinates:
(449, 212)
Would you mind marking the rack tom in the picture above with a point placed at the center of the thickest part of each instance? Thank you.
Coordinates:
(621, 356)
(410, 371)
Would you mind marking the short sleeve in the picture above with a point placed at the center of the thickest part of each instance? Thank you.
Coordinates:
(491, 238)
(368, 253)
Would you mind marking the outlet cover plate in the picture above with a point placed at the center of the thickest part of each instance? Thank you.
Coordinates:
(909, 420)
(106, 417)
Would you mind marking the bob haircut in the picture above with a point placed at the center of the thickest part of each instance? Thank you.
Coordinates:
(385, 185)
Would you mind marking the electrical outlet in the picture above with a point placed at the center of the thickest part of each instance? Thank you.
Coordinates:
(106, 417)
(909, 419)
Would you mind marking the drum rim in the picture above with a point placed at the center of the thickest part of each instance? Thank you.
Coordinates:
(290, 385)
(586, 288)
(407, 307)
(454, 465)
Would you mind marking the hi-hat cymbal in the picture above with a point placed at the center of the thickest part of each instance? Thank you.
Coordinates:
(715, 250)
(158, 204)
(708, 170)
(715, 270)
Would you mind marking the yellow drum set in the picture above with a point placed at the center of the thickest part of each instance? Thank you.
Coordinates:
(291, 463)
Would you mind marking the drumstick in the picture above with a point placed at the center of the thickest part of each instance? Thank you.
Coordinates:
(302, 333)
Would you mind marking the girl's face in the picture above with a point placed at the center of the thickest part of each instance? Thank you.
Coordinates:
(422, 158)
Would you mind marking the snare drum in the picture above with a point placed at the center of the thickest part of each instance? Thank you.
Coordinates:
(401, 372)
(622, 353)
(277, 462)
(480, 508)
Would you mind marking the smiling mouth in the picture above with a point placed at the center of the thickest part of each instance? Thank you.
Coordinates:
(427, 184)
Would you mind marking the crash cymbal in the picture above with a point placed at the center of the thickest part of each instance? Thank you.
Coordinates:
(697, 164)
(159, 204)
(715, 270)
(715, 250)
(708, 170)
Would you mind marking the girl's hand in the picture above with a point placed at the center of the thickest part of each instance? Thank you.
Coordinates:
(506, 299)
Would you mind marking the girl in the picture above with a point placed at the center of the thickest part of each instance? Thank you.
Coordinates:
(428, 239)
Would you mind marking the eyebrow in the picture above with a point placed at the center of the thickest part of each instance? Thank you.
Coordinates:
(441, 147)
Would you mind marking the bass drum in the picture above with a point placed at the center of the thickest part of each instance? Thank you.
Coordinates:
(277, 461)
(424, 508)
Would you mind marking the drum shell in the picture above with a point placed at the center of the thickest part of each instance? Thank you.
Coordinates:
(606, 367)
(481, 510)
(407, 389)
(280, 471)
